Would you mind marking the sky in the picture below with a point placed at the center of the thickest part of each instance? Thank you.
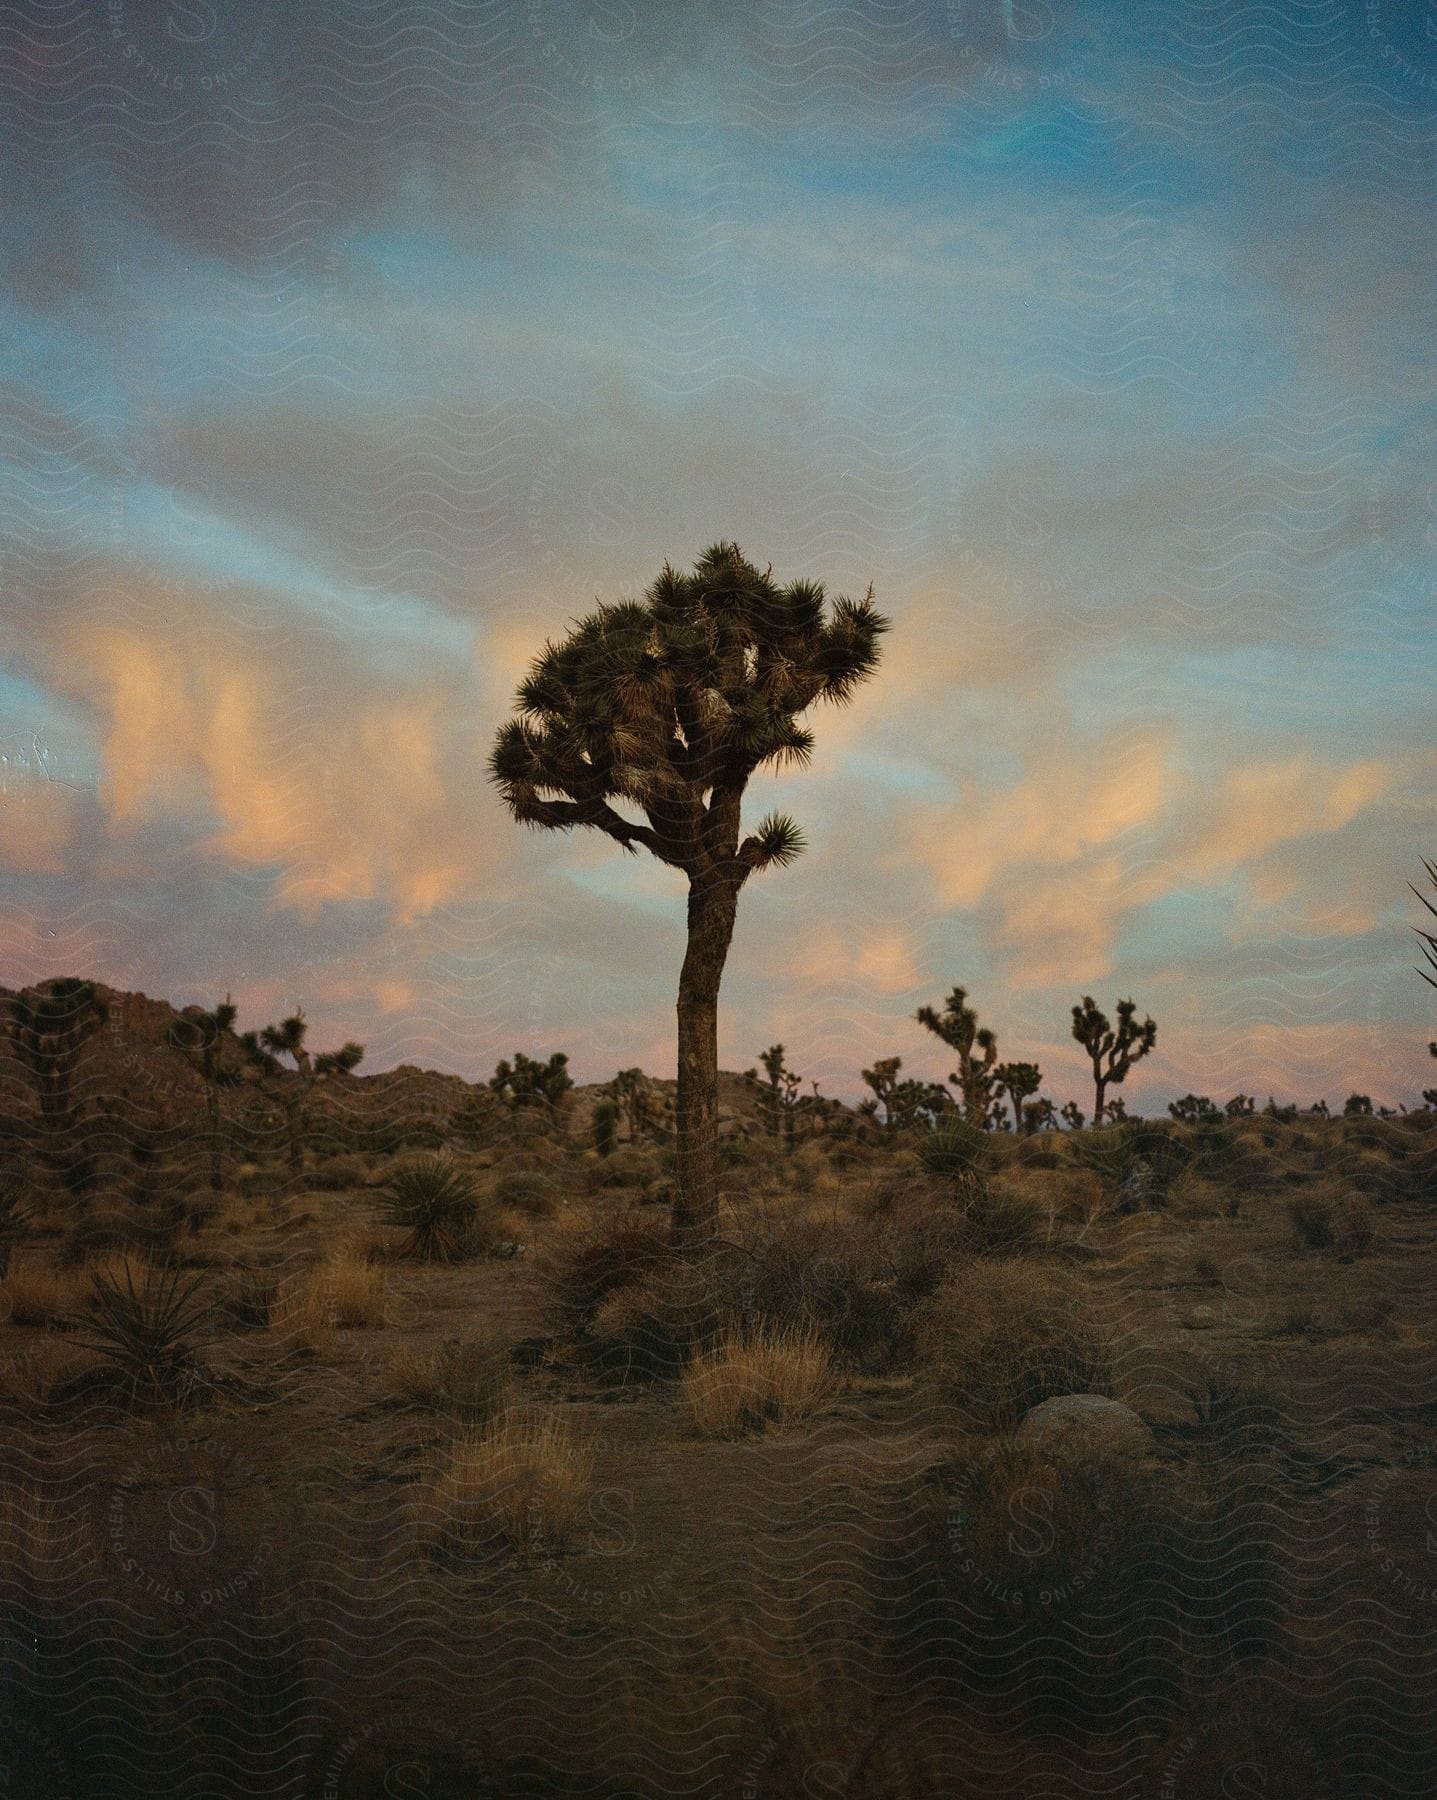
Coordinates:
(354, 349)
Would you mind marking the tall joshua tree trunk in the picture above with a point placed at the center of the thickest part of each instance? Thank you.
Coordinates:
(713, 907)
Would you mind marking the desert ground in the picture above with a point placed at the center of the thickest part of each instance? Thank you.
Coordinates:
(308, 1495)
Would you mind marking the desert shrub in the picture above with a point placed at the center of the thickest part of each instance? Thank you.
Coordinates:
(627, 1167)
(651, 1326)
(467, 1380)
(527, 1191)
(1085, 1583)
(335, 1174)
(1353, 1230)
(437, 1204)
(1312, 1220)
(998, 1337)
(590, 1260)
(1139, 1161)
(999, 1221)
(145, 1325)
(748, 1381)
(519, 1483)
(954, 1149)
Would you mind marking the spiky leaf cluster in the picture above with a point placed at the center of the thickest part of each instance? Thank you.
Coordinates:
(147, 1328)
(664, 707)
(436, 1202)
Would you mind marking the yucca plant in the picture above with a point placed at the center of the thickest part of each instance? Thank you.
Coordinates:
(647, 723)
(437, 1203)
(147, 1329)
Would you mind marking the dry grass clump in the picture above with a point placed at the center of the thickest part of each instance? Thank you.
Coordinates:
(44, 1549)
(590, 1259)
(750, 1381)
(467, 1380)
(337, 1174)
(33, 1293)
(344, 1291)
(998, 1337)
(1330, 1216)
(519, 1483)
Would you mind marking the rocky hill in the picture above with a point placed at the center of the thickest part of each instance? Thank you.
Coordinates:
(81, 1051)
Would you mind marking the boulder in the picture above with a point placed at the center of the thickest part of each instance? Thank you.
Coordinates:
(1073, 1421)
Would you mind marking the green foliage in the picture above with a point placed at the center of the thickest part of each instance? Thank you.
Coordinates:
(604, 1127)
(1194, 1109)
(906, 1104)
(147, 1330)
(1017, 1081)
(343, 1061)
(437, 1204)
(656, 703)
(954, 1149)
(528, 1082)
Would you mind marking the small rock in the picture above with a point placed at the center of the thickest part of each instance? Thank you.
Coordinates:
(1092, 1418)
(510, 1249)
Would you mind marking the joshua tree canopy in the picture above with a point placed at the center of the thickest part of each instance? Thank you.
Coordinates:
(958, 1027)
(646, 723)
(1111, 1052)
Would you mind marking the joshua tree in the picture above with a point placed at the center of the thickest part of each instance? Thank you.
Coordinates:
(288, 1039)
(1357, 1106)
(781, 1095)
(529, 1082)
(48, 1027)
(1017, 1081)
(645, 1108)
(1241, 1106)
(669, 705)
(200, 1035)
(958, 1027)
(1112, 1053)
(1072, 1114)
(905, 1103)
(1194, 1109)
(1040, 1115)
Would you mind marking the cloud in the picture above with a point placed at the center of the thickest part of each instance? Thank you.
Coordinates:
(354, 788)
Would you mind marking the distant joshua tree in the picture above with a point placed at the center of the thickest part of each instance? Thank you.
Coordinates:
(958, 1027)
(907, 1103)
(1112, 1053)
(200, 1036)
(781, 1095)
(1017, 1081)
(528, 1082)
(287, 1038)
(669, 705)
(1195, 1109)
(1073, 1115)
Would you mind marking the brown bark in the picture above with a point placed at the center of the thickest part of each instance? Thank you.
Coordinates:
(713, 906)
